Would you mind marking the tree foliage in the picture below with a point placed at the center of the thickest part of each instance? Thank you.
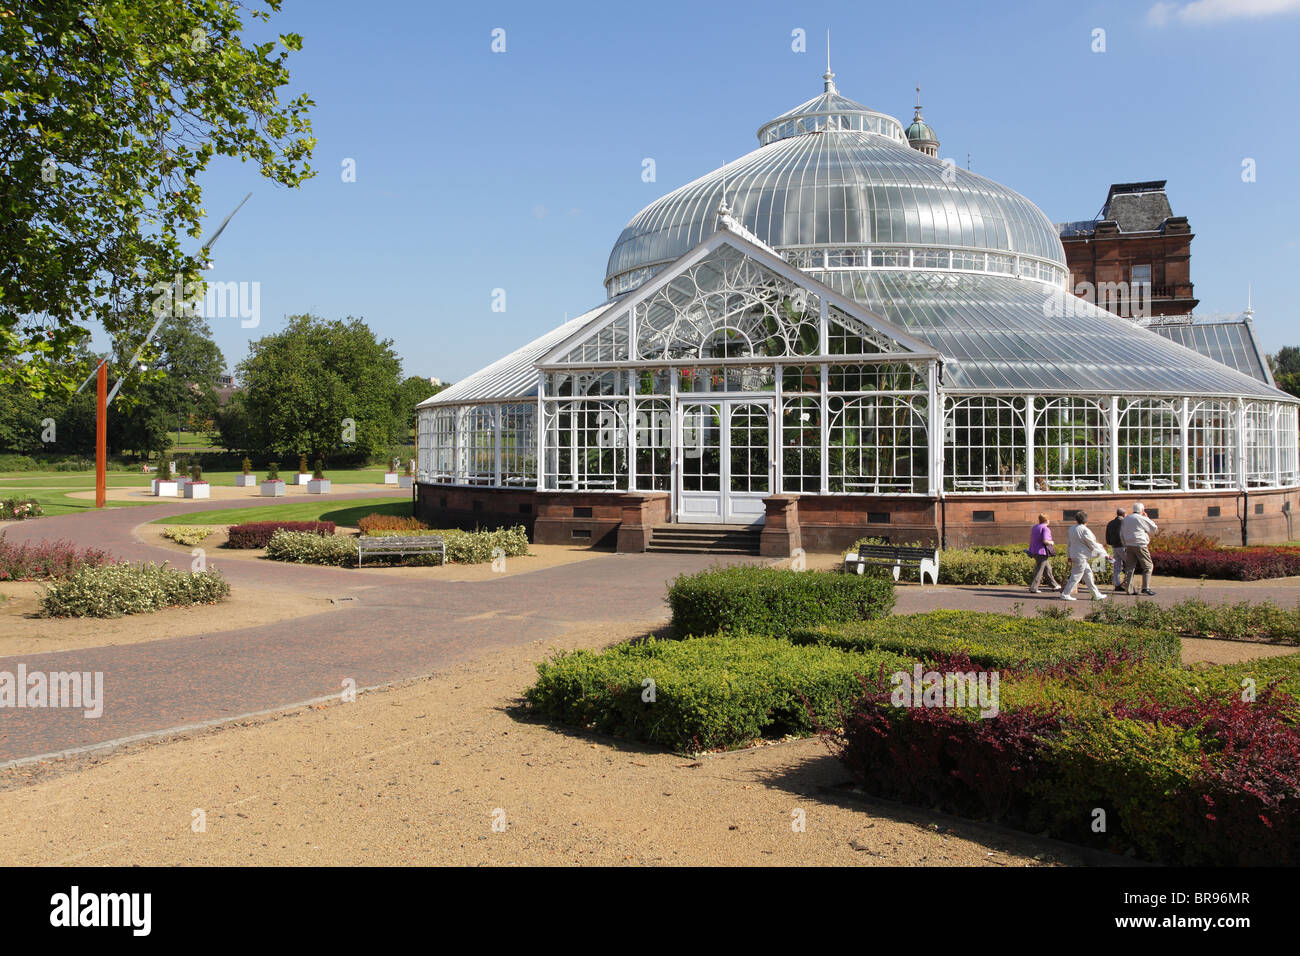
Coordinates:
(319, 387)
(109, 112)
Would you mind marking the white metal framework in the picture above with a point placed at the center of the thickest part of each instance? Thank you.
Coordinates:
(733, 376)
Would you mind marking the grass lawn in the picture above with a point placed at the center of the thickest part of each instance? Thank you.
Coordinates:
(193, 439)
(51, 488)
(341, 513)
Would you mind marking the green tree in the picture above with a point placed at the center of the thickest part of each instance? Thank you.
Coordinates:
(1285, 366)
(109, 112)
(317, 384)
(413, 390)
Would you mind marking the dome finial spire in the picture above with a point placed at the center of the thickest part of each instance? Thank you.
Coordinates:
(918, 102)
(828, 76)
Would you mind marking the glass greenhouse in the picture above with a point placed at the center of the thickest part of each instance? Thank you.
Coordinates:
(838, 314)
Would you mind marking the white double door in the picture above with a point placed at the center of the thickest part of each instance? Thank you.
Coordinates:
(724, 460)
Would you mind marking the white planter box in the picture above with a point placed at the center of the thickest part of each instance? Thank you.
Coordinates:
(198, 489)
(245, 481)
(406, 481)
(162, 488)
(320, 487)
(390, 477)
(273, 489)
(302, 478)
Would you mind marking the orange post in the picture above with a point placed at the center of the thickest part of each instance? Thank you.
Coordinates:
(101, 436)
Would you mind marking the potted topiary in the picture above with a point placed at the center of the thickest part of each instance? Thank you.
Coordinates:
(304, 475)
(319, 484)
(273, 486)
(390, 476)
(247, 479)
(196, 487)
(408, 478)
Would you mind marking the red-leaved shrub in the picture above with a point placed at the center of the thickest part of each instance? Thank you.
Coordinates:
(1228, 564)
(257, 534)
(45, 560)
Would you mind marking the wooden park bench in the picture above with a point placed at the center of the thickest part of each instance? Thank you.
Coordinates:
(401, 545)
(925, 560)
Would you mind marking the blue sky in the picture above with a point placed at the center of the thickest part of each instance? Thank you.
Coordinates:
(478, 170)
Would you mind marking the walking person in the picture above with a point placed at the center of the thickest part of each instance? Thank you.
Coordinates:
(1083, 547)
(1042, 549)
(1115, 541)
(1136, 530)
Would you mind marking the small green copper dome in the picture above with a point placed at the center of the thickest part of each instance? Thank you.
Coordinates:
(920, 132)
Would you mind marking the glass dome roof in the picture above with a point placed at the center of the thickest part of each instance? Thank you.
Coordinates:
(832, 174)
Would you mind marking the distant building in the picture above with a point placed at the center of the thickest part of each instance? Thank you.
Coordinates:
(225, 388)
(1138, 248)
(1137, 245)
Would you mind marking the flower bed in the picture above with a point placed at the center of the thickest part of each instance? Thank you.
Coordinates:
(1243, 621)
(20, 509)
(112, 590)
(1229, 564)
(378, 524)
(257, 534)
(188, 535)
(45, 560)
(308, 547)
(1184, 765)
(764, 600)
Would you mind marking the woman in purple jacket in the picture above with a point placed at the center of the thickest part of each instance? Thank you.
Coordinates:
(1041, 549)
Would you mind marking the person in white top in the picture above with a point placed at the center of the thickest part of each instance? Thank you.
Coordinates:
(1136, 531)
(1084, 546)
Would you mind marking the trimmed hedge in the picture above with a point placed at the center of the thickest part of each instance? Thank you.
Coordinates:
(1193, 617)
(764, 600)
(112, 590)
(1185, 769)
(258, 534)
(996, 640)
(722, 691)
(308, 547)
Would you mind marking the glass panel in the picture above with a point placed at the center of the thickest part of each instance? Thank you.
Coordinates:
(878, 445)
(750, 446)
(1072, 446)
(1211, 446)
(586, 446)
(984, 444)
(1150, 446)
(701, 448)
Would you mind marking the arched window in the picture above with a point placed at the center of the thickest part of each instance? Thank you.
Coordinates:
(1261, 445)
(1071, 445)
(1150, 445)
(878, 445)
(984, 444)
(1211, 446)
(801, 445)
